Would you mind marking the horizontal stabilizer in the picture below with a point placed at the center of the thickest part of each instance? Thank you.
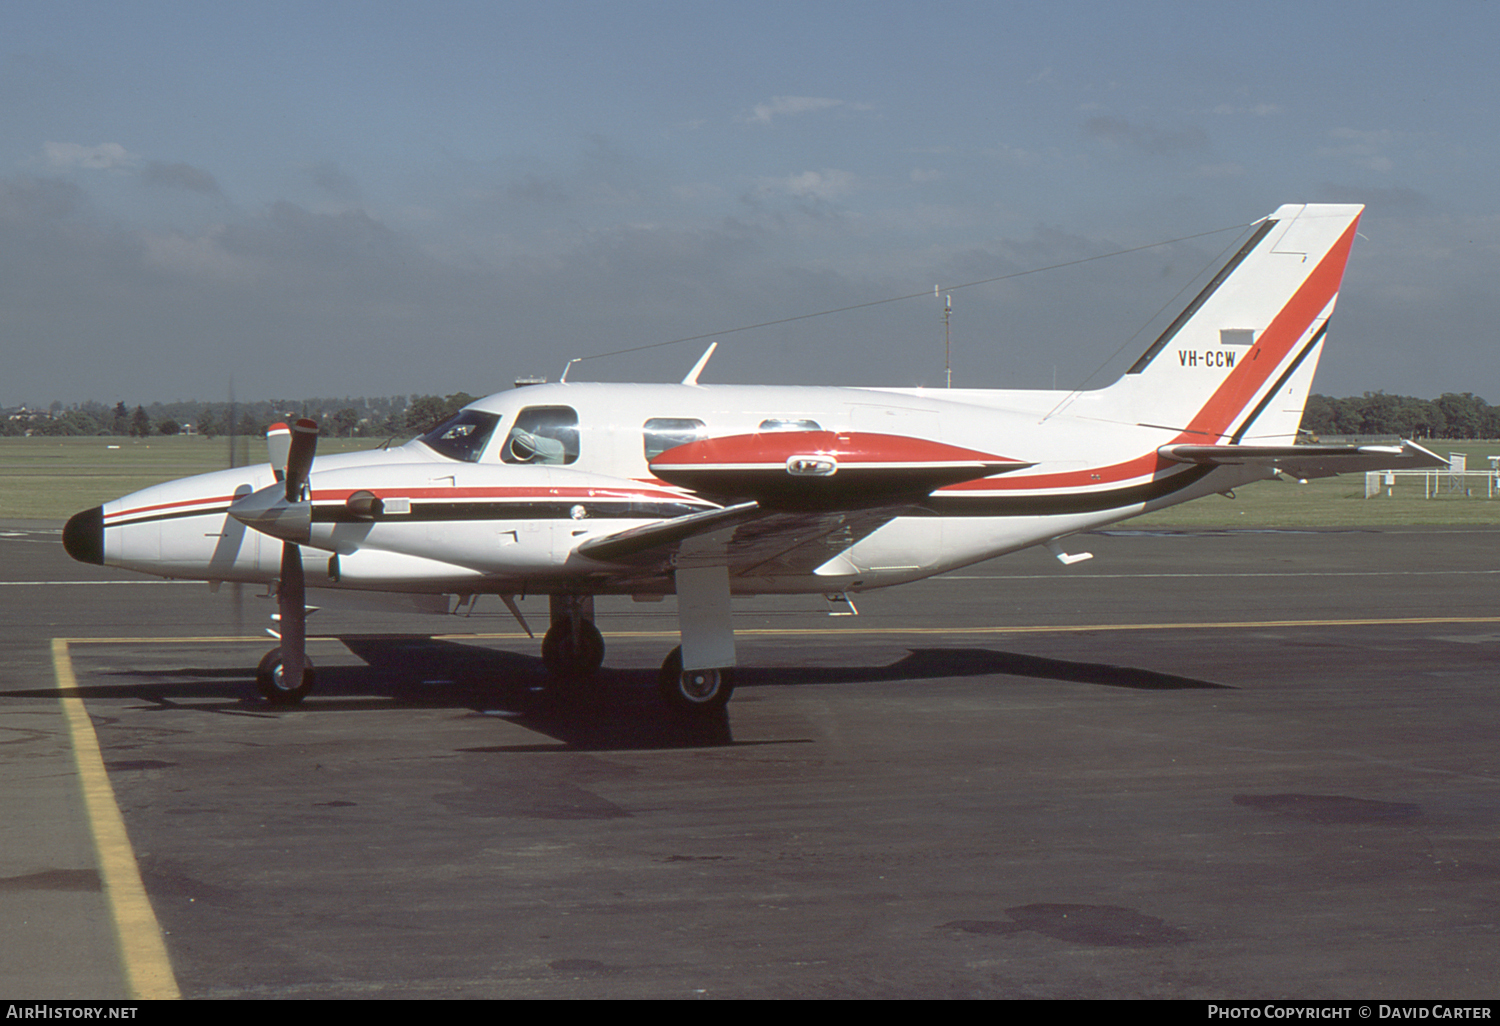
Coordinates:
(1308, 461)
(823, 470)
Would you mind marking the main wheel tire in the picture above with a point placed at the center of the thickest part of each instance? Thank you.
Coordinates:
(569, 657)
(694, 690)
(273, 686)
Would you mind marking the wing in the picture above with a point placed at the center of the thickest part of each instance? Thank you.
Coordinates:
(644, 545)
(751, 540)
(1308, 461)
(795, 499)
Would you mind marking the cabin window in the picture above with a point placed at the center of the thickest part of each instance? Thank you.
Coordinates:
(663, 433)
(462, 436)
(789, 424)
(543, 434)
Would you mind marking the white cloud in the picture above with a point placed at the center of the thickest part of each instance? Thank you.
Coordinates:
(1259, 110)
(1149, 139)
(195, 257)
(827, 184)
(104, 157)
(1015, 156)
(785, 106)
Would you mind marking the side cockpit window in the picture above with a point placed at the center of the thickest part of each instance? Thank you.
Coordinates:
(663, 433)
(462, 436)
(788, 424)
(543, 434)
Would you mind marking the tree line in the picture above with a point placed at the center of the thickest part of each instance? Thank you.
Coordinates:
(387, 417)
(1451, 415)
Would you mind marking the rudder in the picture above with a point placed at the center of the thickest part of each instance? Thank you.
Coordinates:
(1237, 364)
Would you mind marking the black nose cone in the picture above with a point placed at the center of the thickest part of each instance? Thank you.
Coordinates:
(83, 536)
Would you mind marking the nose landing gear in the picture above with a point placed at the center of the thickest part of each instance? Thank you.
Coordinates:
(274, 686)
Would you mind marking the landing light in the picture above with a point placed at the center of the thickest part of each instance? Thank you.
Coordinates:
(812, 466)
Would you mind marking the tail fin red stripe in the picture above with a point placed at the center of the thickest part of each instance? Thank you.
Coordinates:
(1253, 370)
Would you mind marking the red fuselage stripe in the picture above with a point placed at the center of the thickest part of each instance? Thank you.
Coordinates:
(217, 504)
(180, 506)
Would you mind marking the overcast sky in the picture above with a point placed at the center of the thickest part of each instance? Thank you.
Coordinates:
(374, 198)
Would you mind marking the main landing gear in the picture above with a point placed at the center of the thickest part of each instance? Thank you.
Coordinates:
(693, 690)
(573, 648)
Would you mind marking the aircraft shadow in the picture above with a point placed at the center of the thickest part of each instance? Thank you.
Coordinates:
(615, 709)
(933, 663)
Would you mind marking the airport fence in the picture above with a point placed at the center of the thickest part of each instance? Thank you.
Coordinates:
(1455, 481)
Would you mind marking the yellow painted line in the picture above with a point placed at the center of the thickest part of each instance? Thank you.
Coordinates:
(143, 953)
(206, 640)
(1406, 621)
(794, 632)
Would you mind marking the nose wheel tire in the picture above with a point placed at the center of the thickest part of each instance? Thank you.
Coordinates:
(567, 655)
(694, 690)
(273, 685)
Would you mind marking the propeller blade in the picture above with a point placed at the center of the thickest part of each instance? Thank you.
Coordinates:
(278, 448)
(292, 595)
(299, 458)
(292, 599)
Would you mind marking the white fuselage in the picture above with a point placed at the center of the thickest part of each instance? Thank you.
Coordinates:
(486, 512)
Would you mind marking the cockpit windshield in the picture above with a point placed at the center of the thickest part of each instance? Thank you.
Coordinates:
(462, 436)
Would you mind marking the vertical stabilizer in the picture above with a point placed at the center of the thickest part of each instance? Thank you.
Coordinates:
(1237, 365)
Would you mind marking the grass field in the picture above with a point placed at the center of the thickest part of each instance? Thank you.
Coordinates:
(1341, 502)
(53, 478)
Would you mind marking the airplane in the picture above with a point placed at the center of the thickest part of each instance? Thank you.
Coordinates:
(577, 489)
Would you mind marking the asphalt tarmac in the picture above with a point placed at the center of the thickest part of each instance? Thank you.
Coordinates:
(1203, 765)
